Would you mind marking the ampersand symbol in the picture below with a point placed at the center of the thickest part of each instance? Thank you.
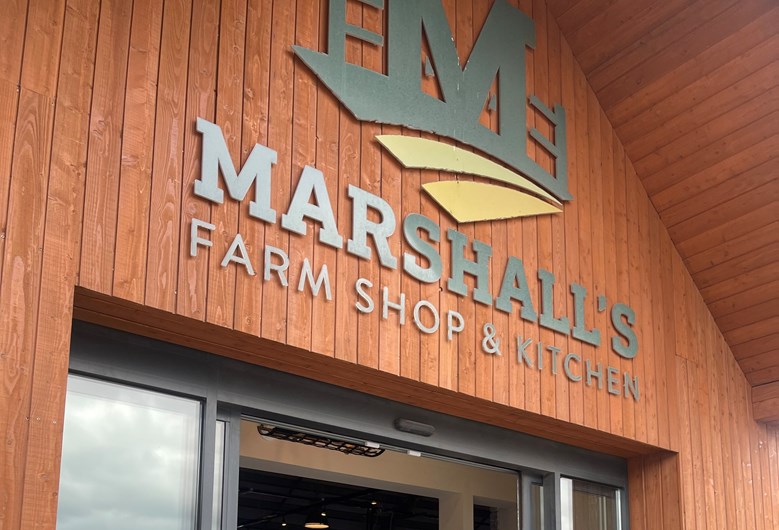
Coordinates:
(489, 343)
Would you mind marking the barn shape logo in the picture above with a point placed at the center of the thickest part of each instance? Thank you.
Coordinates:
(517, 186)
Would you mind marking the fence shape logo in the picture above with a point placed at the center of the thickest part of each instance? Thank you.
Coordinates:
(516, 185)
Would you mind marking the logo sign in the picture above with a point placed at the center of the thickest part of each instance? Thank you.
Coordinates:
(516, 187)
(460, 265)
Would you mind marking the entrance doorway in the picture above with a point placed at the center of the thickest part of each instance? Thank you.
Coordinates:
(290, 476)
(208, 443)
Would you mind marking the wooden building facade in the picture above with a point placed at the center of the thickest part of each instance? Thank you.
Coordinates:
(99, 153)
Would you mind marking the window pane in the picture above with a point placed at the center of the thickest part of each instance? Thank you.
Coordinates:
(536, 507)
(219, 457)
(588, 506)
(129, 459)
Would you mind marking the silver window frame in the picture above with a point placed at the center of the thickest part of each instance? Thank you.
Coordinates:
(230, 389)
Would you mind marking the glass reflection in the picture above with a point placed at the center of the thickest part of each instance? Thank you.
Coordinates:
(588, 506)
(536, 506)
(129, 459)
(219, 456)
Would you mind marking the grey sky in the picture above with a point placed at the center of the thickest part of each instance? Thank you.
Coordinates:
(129, 459)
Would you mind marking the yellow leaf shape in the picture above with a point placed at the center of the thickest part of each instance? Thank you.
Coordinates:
(469, 202)
(422, 153)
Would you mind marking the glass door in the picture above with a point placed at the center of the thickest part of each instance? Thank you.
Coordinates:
(305, 479)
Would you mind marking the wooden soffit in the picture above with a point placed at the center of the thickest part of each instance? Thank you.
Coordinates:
(692, 89)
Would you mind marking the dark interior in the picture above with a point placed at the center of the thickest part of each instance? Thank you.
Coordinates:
(266, 500)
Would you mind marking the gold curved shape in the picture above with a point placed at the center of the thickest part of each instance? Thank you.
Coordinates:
(469, 202)
(421, 153)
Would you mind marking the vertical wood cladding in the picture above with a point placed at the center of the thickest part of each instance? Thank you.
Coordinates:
(98, 155)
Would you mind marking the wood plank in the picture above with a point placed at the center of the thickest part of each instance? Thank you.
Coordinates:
(485, 363)
(632, 19)
(327, 151)
(571, 211)
(705, 179)
(254, 130)
(560, 254)
(752, 331)
(765, 402)
(140, 107)
(20, 287)
(767, 410)
(558, 6)
(392, 191)
(651, 61)
(712, 153)
(750, 315)
(711, 429)
(738, 206)
(346, 319)
(169, 132)
(514, 245)
(773, 445)
(765, 470)
(201, 88)
(671, 325)
(448, 354)
(390, 353)
(754, 278)
(660, 328)
(765, 392)
(745, 423)
(757, 479)
(42, 46)
(743, 183)
(416, 360)
(370, 180)
(577, 14)
(582, 109)
(732, 250)
(714, 69)
(622, 249)
(728, 230)
(764, 376)
(64, 204)
(736, 440)
(701, 502)
(682, 316)
(610, 280)
(635, 195)
(738, 266)
(672, 505)
(745, 299)
(282, 67)
(468, 343)
(636, 495)
(644, 319)
(544, 245)
(105, 144)
(656, 42)
(9, 103)
(653, 488)
(670, 148)
(221, 281)
(688, 497)
(663, 127)
(757, 354)
(304, 112)
(597, 287)
(721, 363)
(13, 25)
